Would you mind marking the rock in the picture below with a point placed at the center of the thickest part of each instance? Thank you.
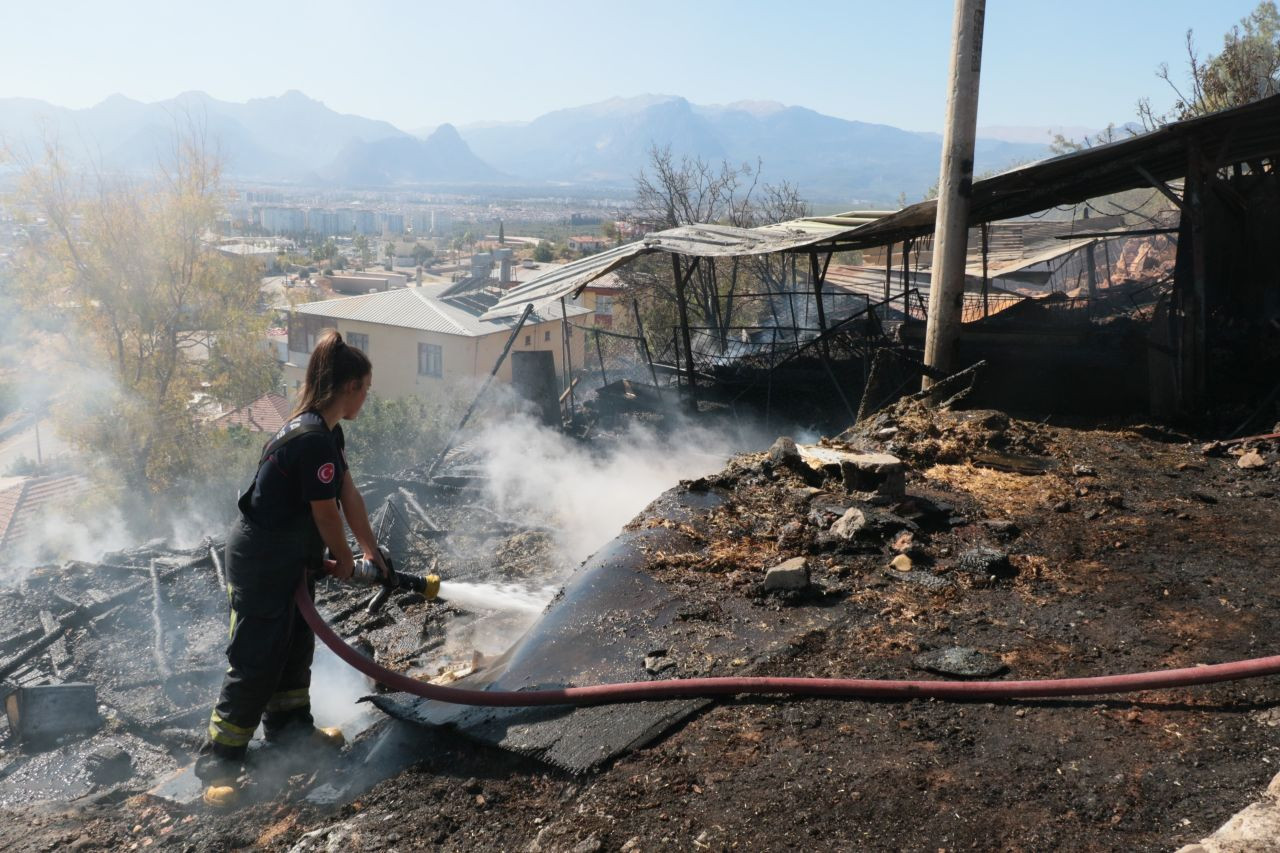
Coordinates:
(901, 563)
(1083, 471)
(108, 765)
(928, 580)
(903, 543)
(1256, 828)
(791, 536)
(1203, 497)
(879, 473)
(590, 844)
(960, 661)
(409, 599)
(851, 524)
(1062, 506)
(886, 433)
(657, 662)
(1001, 528)
(791, 574)
(1251, 460)
(784, 452)
(986, 562)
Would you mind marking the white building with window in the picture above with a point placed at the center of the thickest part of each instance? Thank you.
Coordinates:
(422, 337)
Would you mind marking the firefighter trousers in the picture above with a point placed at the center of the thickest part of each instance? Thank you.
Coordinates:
(268, 676)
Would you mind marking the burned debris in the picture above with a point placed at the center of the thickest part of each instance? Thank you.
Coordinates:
(937, 531)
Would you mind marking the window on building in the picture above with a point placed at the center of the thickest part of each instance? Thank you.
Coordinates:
(604, 305)
(305, 330)
(430, 360)
(546, 336)
(528, 340)
(359, 341)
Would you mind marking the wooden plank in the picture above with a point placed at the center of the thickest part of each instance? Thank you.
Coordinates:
(58, 655)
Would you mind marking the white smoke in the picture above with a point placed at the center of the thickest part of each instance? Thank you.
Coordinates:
(57, 536)
(336, 689)
(586, 493)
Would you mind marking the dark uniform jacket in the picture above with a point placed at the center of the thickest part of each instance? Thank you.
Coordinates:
(276, 540)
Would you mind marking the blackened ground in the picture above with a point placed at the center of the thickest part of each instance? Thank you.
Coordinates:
(1150, 555)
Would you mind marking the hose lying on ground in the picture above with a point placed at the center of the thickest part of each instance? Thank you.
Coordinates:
(864, 688)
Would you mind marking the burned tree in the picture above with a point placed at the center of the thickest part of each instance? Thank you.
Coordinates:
(687, 191)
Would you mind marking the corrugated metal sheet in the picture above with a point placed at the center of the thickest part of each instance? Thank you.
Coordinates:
(698, 241)
(1230, 136)
(418, 308)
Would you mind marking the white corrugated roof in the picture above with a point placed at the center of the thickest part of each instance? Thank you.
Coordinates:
(418, 308)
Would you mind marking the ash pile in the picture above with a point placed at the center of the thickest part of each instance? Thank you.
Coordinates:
(109, 669)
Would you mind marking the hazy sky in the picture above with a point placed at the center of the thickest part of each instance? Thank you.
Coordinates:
(1046, 62)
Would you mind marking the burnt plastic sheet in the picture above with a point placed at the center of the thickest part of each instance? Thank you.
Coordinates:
(599, 630)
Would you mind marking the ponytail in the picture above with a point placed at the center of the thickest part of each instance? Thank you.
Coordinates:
(333, 364)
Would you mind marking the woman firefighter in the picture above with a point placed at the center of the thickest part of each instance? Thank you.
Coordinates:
(294, 508)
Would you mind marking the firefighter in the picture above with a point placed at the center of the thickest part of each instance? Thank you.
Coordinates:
(293, 509)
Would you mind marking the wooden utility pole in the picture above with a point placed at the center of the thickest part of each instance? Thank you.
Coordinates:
(1091, 261)
(955, 184)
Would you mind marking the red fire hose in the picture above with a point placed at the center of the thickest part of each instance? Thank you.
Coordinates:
(866, 688)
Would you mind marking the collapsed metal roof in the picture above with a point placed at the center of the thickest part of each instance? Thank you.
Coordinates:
(1236, 135)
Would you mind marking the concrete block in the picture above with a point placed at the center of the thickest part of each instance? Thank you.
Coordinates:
(51, 710)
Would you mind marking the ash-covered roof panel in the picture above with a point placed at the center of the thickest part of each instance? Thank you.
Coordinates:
(421, 308)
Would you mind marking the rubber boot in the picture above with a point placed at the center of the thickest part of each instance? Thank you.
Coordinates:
(222, 794)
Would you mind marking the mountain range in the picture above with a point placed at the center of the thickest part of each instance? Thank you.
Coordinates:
(292, 138)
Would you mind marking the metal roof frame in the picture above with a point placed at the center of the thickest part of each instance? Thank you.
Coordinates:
(1240, 134)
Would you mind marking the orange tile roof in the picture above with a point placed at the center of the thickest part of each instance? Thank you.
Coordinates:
(266, 414)
(22, 505)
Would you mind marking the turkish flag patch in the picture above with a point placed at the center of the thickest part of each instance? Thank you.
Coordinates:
(325, 473)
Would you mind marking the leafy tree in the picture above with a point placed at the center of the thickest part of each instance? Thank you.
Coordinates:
(543, 253)
(1247, 69)
(393, 434)
(325, 251)
(422, 254)
(139, 293)
(361, 245)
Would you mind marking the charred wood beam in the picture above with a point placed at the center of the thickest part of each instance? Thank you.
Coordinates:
(951, 384)
(567, 355)
(1160, 186)
(682, 305)
(157, 626)
(91, 615)
(58, 654)
(604, 377)
(20, 639)
(644, 344)
(511, 339)
(217, 567)
(1194, 303)
(1135, 232)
